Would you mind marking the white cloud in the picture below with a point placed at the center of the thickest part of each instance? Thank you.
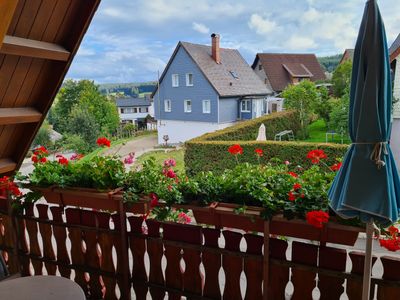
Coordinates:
(131, 40)
(199, 27)
(85, 51)
(260, 25)
(311, 15)
(300, 43)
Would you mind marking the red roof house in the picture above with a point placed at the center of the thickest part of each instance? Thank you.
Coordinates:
(280, 70)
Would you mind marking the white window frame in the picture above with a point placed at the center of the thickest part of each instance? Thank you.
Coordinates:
(186, 106)
(205, 111)
(167, 105)
(175, 80)
(247, 107)
(188, 79)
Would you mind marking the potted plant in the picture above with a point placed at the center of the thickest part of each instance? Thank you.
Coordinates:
(93, 183)
(293, 199)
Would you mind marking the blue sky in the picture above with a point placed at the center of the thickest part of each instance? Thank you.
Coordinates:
(130, 40)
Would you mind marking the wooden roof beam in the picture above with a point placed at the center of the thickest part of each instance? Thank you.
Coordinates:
(7, 9)
(31, 48)
(7, 165)
(19, 115)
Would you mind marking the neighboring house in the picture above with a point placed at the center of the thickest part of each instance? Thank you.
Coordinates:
(394, 53)
(134, 110)
(347, 55)
(277, 71)
(206, 88)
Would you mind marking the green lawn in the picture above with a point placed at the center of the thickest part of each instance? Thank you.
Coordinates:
(318, 131)
(161, 155)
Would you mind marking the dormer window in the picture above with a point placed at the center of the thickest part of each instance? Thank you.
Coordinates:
(189, 79)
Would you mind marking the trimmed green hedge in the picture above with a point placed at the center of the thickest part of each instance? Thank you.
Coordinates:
(248, 130)
(209, 152)
(214, 156)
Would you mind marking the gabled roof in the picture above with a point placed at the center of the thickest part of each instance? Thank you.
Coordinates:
(232, 77)
(129, 102)
(394, 50)
(38, 40)
(279, 68)
(347, 55)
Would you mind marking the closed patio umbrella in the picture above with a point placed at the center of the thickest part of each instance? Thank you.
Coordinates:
(368, 185)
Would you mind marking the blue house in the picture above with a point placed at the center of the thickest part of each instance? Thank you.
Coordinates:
(206, 88)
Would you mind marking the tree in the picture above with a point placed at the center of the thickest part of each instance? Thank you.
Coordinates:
(43, 138)
(341, 78)
(339, 117)
(302, 97)
(83, 94)
(104, 111)
(324, 104)
(84, 124)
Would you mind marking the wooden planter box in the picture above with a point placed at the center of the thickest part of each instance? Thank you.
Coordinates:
(224, 215)
(91, 198)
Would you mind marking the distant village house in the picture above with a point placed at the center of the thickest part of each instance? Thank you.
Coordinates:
(278, 71)
(137, 111)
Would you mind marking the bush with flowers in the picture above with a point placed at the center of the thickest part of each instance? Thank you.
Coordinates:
(100, 172)
(278, 187)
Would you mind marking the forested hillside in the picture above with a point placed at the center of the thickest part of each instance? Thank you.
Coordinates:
(329, 63)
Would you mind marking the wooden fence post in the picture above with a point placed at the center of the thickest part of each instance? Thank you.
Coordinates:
(266, 261)
(124, 253)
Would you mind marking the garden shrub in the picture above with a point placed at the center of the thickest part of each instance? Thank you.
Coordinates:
(214, 156)
(248, 130)
(209, 152)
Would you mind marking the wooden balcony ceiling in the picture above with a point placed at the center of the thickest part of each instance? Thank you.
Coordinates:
(38, 40)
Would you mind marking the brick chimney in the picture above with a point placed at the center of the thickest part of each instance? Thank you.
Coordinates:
(215, 52)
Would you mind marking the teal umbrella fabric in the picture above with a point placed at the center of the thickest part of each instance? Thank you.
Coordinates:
(367, 185)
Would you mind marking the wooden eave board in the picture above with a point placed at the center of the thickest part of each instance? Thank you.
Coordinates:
(36, 51)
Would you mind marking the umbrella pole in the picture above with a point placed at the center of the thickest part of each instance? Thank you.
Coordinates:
(368, 262)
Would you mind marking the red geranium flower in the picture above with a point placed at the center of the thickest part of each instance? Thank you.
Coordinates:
(62, 160)
(103, 142)
(393, 231)
(293, 174)
(170, 174)
(297, 186)
(317, 218)
(259, 152)
(7, 185)
(43, 160)
(154, 200)
(235, 149)
(390, 244)
(316, 155)
(184, 218)
(35, 159)
(336, 167)
(291, 196)
(41, 150)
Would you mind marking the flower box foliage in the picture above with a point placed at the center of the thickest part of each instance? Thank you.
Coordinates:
(241, 197)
